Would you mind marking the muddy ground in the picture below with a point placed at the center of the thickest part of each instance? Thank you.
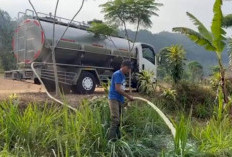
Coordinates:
(28, 92)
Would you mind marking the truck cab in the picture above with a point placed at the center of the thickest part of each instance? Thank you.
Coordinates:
(146, 58)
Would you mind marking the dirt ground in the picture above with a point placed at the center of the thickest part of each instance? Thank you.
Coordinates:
(28, 92)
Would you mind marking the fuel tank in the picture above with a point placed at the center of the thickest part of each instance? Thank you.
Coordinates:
(31, 42)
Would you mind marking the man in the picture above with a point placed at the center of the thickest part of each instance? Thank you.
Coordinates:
(116, 98)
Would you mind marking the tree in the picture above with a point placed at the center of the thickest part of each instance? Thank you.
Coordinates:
(7, 26)
(174, 60)
(123, 12)
(163, 67)
(212, 41)
(100, 28)
(227, 21)
(196, 70)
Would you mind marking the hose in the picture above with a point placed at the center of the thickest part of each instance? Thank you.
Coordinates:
(161, 114)
(48, 94)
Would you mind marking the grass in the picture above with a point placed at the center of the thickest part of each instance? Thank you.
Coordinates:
(50, 130)
(47, 130)
(215, 138)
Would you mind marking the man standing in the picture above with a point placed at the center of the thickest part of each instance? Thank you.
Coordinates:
(116, 98)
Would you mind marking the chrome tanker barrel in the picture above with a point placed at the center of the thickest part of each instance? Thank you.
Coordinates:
(78, 46)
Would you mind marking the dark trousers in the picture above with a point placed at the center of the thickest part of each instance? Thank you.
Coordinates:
(115, 112)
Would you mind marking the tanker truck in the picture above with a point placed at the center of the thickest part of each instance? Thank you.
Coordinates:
(83, 59)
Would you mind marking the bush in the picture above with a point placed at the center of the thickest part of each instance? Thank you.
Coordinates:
(198, 97)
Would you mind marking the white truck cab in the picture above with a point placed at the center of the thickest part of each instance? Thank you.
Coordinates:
(147, 59)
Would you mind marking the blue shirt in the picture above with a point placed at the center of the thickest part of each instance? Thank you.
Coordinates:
(117, 78)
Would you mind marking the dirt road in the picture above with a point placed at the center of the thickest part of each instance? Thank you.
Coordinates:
(27, 92)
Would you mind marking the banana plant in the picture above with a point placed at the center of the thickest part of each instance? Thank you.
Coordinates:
(213, 40)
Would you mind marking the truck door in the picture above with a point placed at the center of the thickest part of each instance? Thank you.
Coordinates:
(148, 59)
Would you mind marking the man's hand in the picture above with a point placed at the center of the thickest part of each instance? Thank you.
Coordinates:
(130, 98)
(122, 92)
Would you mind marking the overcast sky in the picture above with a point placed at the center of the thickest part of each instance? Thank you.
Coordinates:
(172, 14)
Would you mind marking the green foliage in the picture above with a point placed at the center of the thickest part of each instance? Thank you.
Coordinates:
(202, 111)
(197, 96)
(182, 132)
(213, 41)
(99, 28)
(215, 79)
(163, 66)
(8, 61)
(215, 69)
(146, 82)
(169, 94)
(47, 130)
(132, 11)
(196, 70)
(175, 56)
(227, 21)
(106, 86)
(122, 12)
(216, 28)
(215, 138)
(196, 37)
(7, 26)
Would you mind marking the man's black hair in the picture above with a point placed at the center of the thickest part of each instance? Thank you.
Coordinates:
(127, 63)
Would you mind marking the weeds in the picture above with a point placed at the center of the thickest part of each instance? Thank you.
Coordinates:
(52, 131)
(215, 138)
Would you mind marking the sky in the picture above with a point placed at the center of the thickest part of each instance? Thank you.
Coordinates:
(172, 14)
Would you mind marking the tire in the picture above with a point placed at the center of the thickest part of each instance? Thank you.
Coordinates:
(19, 76)
(36, 81)
(86, 84)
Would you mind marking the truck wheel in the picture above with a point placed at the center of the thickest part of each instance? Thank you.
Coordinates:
(19, 77)
(36, 81)
(86, 83)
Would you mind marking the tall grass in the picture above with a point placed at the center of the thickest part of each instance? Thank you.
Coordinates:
(47, 130)
(215, 138)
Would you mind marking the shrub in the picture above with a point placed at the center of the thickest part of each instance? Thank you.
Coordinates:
(199, 97)
(146, 82)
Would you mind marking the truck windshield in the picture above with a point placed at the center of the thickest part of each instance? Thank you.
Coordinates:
(148, 53)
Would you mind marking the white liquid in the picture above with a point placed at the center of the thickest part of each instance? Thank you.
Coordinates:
(161, 114)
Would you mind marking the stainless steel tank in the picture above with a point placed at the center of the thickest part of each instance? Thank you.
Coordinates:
(78, 46)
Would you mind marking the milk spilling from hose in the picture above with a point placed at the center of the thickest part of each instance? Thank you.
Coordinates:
(161, 114)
